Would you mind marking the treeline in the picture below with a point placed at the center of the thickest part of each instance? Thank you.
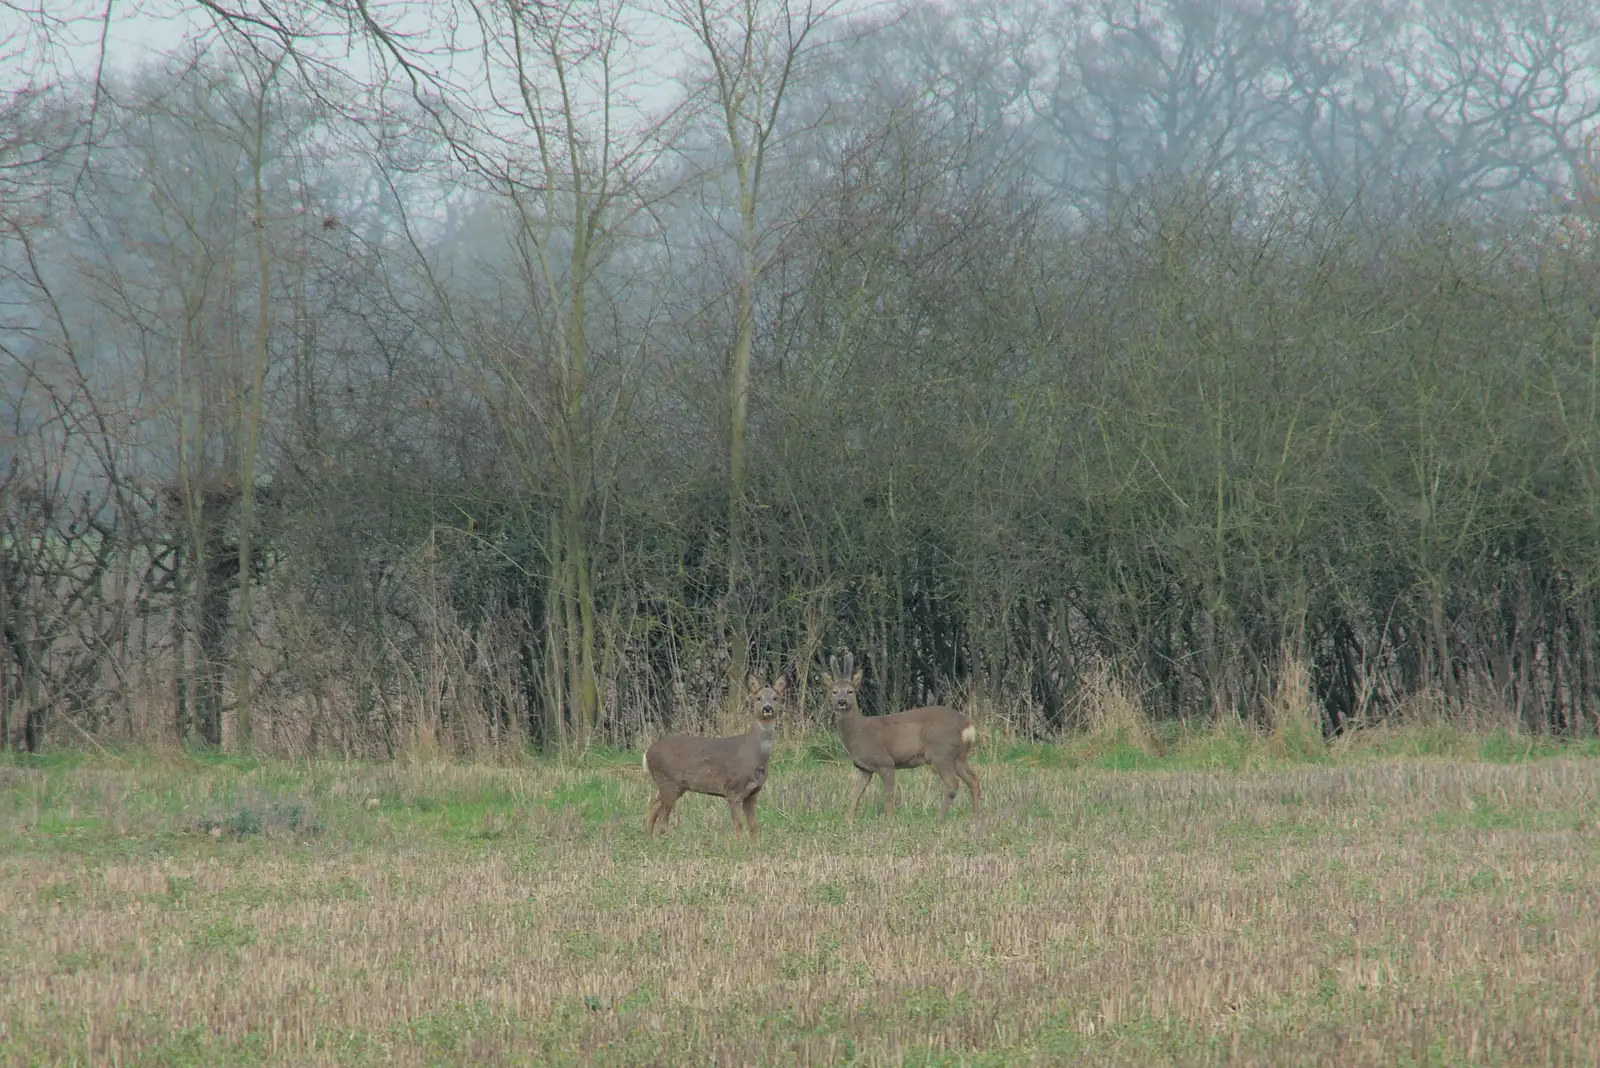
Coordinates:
(353, 436)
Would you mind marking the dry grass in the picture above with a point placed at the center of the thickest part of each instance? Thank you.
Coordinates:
(1294, 719)
(1387, 912)
(1111, 710)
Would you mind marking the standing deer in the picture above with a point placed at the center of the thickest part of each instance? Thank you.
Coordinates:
(879, 744)
(732, 768)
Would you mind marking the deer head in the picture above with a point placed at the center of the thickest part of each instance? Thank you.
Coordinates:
(842, 680)
(764, 699)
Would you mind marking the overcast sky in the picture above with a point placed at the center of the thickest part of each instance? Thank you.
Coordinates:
(67, 42)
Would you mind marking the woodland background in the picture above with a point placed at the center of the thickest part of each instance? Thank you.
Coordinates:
(505, 373)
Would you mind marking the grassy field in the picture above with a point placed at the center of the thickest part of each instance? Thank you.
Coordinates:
(1108, 908)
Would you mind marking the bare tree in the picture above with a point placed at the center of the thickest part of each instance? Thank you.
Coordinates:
(1502, 94)
(177, 250)
(564, 155)
(754, 51)
(66, 507)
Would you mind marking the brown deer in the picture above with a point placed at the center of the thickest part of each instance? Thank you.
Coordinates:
(879, 744)
(732, 768)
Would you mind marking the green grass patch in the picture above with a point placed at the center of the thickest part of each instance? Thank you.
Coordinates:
(593, 797)
(458, 1030)
(50, 760)
(197, 1047)
(226, 934)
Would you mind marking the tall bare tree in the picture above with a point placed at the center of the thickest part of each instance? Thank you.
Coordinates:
(564, 154)
(754, 51)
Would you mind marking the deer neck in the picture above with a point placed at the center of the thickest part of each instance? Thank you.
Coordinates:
(761, 736)
(849, 720)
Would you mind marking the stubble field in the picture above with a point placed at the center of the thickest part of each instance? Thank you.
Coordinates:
(184, 910)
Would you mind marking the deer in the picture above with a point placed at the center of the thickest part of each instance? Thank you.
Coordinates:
(731, 768)
(878, 745)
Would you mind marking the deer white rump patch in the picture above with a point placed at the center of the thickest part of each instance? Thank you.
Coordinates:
(970, 734)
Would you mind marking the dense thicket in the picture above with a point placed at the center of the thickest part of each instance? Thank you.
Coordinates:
(1180, 443)
(475, 469)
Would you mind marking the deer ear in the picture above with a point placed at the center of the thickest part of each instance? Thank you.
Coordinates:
(855, 680)
(781, 687)
(752, 683)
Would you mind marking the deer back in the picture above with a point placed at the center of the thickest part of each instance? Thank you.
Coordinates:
(920, 736)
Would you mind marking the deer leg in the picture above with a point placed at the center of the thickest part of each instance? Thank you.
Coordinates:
(662, 809)
(750, 816)
(733, 807)
(857, 789)
(952, 783)
(969, 777)
(650, 816)
(887, 775)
